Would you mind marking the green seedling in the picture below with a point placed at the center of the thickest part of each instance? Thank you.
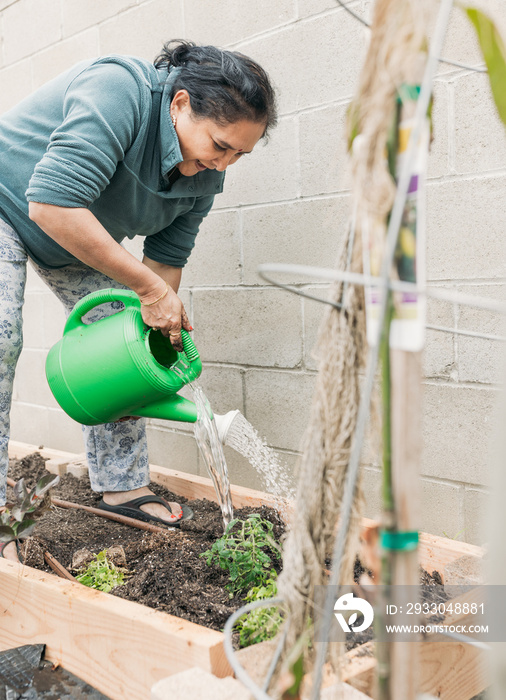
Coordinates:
(18, 520)
(263, 623)
(245, 550)
(102, 574)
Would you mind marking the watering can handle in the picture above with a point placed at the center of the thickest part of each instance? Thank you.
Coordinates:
(102, 296)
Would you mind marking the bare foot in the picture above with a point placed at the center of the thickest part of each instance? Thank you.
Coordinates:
(10, 551)
(116, 498)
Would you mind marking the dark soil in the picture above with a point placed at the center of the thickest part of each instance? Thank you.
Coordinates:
(167, 570)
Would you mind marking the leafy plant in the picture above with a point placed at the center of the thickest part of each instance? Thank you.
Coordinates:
(102, 574)
(18, 520)
(245, 550)
(263, 623)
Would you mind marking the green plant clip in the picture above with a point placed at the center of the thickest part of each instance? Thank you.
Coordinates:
(399, 541)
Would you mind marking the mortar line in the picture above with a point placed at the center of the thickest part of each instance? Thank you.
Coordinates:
(478, 386)
(494, 174)
(240, 225)
(272, 31)
(244, 367)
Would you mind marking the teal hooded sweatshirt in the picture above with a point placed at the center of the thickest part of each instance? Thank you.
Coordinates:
(100, 136)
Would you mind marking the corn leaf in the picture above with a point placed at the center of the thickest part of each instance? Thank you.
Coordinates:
(494, 54)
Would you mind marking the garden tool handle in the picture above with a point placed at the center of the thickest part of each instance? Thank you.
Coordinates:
(102, 296)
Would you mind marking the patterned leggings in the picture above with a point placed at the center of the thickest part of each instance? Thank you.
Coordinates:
(117, 452)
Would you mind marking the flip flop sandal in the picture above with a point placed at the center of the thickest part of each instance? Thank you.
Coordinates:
(3, 545)
(132, 510)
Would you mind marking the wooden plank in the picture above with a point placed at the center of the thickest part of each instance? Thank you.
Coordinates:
(195, 487)
(18, 450)
(120, 647)
(436, 552)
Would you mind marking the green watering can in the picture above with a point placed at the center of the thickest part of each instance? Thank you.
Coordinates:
(118, 366)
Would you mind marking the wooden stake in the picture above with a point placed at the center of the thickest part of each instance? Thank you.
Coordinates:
(406, 449)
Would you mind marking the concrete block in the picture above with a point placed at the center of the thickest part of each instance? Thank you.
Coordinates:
(223, 388)
(33, 320)
(441, 509)
(479, 359)
(465, 228)
(439, 354)
(49, 63)
(439, 153)
(194, 684)
(142, 30)
(268, 174)
(458, 425)
(172, 450)
(324, 161)
(257, 327)
(28, 27)
(34, 282)
(278, 405)
(479, 133)
(16, 84)
(54, 319)
(313, 313)
(306, 9)
(216, 258)
(461, 43)
(30, 384)
(243, 19)
(63, 433)
(29, 423)
(77, 16)
(326, 72)
(477, 503)
(302, 232)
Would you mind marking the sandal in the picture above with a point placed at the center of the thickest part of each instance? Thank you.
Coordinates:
(132, 510)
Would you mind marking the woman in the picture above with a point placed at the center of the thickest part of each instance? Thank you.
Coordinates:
(114, 148)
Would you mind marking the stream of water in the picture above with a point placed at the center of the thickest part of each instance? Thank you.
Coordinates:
(211, 450)
(243, 438)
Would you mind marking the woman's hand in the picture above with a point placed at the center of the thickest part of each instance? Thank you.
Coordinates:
(79, 231)
(167, 315)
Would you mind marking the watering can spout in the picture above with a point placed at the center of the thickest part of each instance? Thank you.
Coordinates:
(172, 407)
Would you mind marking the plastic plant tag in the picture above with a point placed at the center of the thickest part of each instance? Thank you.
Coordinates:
(407, 331)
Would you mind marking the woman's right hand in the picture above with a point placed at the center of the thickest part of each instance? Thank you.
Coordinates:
(167, 315)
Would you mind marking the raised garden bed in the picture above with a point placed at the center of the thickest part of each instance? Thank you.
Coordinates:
(122, 648)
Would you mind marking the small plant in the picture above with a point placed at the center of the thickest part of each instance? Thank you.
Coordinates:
(263, 623)
(18, 520)
(102, 574)
(245, 550)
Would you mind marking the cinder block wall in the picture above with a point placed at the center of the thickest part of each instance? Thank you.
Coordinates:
(289, 202)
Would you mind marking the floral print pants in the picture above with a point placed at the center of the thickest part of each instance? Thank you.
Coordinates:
(117, 452)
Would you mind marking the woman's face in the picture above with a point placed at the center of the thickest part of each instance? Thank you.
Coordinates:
(206, 144)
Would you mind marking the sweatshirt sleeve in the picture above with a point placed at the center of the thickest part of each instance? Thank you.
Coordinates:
(101, 114)
(173, 245)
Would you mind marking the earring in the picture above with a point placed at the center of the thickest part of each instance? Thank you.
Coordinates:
(174, 119)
